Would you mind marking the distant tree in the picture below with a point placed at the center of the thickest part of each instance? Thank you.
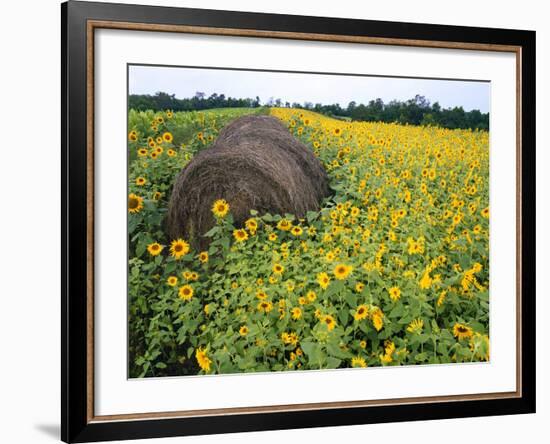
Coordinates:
(415, 111)
(428, 120)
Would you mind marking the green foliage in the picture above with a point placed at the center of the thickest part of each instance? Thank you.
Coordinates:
(244, 315)
(416, 111)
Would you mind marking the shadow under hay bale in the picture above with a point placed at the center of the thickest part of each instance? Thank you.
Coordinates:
(255, 163)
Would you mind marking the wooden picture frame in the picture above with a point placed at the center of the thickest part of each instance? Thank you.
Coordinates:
(79, 22)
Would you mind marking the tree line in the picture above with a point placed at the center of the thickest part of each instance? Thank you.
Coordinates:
(416, 111)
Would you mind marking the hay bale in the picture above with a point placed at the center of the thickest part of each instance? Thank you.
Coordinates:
(255, 163)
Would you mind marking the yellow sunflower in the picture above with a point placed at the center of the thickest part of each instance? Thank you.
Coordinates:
(220, 208)
(415, 326)
(135, 203)
(172, 281)
(461, 331)
(240, 235)
(324, 280)
(342, 271)
(140, 181)
(296, 313)
(167, 137)
(284, 225)
(252, 225)
(362, 312)
(186, 292)
(203, 257)
(265, 306)
(377, 319)
(329, 321)
(358, 362)
(154, 249)
(179, 248)
(289, 338)
(296, 231)
(203, 360)
(311, 296)
(395, 293)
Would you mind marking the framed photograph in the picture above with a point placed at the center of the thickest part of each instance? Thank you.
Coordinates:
(275, 221)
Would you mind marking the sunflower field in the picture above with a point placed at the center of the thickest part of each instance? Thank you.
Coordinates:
(393, 270)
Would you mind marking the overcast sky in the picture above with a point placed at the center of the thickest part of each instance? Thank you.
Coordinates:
(315, 88)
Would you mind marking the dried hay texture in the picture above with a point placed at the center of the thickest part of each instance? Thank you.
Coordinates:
(255, 163)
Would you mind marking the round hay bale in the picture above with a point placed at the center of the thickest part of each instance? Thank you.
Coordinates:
(255, 163)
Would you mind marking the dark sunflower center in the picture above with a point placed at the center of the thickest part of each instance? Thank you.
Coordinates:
(133, 203)
(178, 248)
